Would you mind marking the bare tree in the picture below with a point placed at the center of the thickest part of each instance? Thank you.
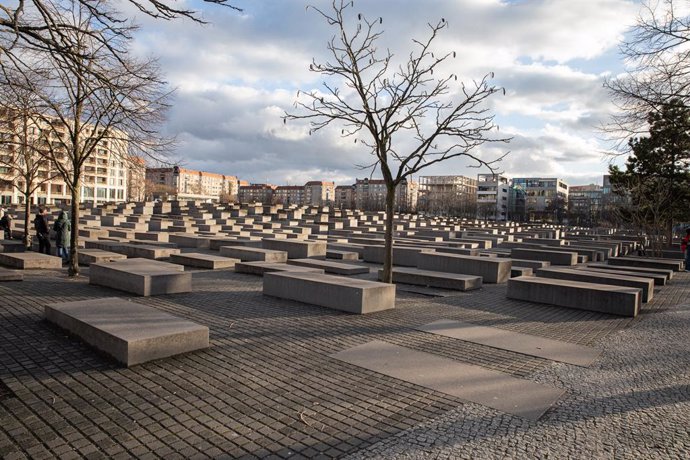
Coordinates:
(22, 143)
(658, 60)
(45, 25)
(93, 122)
(438, 116)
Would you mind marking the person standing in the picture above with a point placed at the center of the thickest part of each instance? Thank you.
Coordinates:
(6, 225)
(63, 232)
(685, 247)
(42, 232)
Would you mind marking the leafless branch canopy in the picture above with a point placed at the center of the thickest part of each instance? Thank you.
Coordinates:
(658, 58)
(381, 106)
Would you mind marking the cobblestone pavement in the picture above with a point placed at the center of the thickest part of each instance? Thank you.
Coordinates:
(268, 388)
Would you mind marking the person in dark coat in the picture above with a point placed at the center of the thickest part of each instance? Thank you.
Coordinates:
(42, 232)
(63, 233)
(6, 225)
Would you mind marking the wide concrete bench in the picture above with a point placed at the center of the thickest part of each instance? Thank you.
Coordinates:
(520, 271)
(248, 254)
(658, 278)
(646, 284)
(209, 261)
(666, 264)
(328, 266)
(659, 271)
(11, 275)
(604, 298)
(444, 280)
(260, 268)
(554, 257)
(134, 251)
(30, 260)
(96, 256)
(402, 256)
(297, 249)
(129, 332)
(142, 277)
(341, 255)
(12, 246)
(189, 241)
(336, 292)
(492, 270)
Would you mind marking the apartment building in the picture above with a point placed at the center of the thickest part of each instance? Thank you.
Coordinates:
(105, 174)
(448, 195)
(319, 193)
(257, 193)
(493, 195)
(189, 184)
(370, 195)
(345, 196)
(289, 194)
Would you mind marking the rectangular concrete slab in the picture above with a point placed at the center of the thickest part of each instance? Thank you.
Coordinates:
(336, 268)
(260, 268)
(527, 344)
(129, 332)
(444, 280)
(30, 260)
(210, 261)
(336, 292)
(475, 384)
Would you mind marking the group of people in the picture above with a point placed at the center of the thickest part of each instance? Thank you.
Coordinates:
(63, 232)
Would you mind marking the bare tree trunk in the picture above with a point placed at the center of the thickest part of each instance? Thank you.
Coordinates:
(73, 269)
(388, 250)
(27, 221)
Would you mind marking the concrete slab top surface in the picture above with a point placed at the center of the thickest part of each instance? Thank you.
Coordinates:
(532, 345)
(129, 321)
(466, 381)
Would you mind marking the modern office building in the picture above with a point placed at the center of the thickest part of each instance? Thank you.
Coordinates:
(493, 195)
(448, 195)
(189, 184)
(546, 198)
(584, 204)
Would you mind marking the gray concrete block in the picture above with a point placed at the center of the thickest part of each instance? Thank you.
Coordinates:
(346, 294)
(604, 298)
(30, 260)
(297, 249)
(646, 284)
(142, 277)
(129, 332)
(328, 266)
(260, 268)
(444, 280)
(209, 261)
(248, 254)
(492, 270)
(554, 257)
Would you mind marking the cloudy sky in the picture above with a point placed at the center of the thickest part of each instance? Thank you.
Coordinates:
(238, 74)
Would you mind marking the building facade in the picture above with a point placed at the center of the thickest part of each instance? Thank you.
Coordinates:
(546, 198)
(370, 195)
(345, 196)
(289, 194)
(257, 193)
(105, 174)
(584, 204)
(493, 195)
(189, 184)
(448, 195)
(319, 193)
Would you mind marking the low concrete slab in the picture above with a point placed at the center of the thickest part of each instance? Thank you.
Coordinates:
(472, 383)
(444, 280)
(554, 257)
(142, 277)
(129, 332)
(11, 275)
(659, 279)
(30, 260)
(646, 284)
(249, 254)
(96, 256)
(402, 256)
(604, 298)
(209, 261)
(492, 270)
(532, 345)
(328, 266)
(644, 262)
(521, 271)
(260, 268)
(341, 255)
(12, 246)
(659, 271)
(345, 294)
(297, 249)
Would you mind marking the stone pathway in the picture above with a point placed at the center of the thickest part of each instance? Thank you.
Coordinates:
(268, 388)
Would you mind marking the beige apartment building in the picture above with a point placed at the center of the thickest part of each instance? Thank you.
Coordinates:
(319, 193)
(370, 195)
(448, 195)
(105, 175)
(189, 184)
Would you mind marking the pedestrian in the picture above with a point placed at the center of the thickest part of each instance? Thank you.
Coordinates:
(6, 225)
(63, 232)
(685, 247)
(42, 232)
